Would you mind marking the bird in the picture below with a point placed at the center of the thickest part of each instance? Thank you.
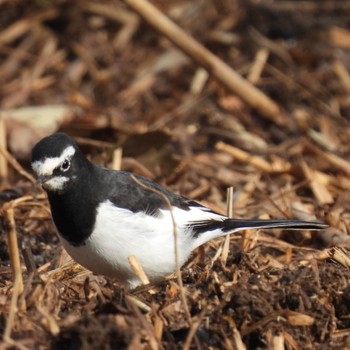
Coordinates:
(104, 216)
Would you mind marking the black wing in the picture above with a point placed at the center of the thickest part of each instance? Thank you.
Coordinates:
(124, 192)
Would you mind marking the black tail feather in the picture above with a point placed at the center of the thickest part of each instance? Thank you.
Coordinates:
(234, 225)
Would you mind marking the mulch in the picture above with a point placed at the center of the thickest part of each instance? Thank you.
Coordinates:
(178, 114)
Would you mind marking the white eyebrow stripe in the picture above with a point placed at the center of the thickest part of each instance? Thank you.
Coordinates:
(48, 165)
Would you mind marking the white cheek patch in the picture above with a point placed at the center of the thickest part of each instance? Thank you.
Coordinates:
(56, 183)
(47, 166)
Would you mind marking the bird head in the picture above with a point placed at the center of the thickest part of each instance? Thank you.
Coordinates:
(56, 161)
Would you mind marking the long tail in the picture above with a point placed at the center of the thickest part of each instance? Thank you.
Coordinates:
(236, 225)
(208, 229)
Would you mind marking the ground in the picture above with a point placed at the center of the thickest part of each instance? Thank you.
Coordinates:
(132, 100)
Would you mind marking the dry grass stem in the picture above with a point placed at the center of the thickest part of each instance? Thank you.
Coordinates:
(162, 98)
(261, 323)
(274, 48)
(94, 143)
(13, 162)
(17, 290)
(237, 339)
(3, 146)
(178, 267)
(333, 159)
(340, 255)
(258, 66)
(117, 159)
(158, 327)
(198, 82)
(152, 339)
(192, 333)
(129, 21)
(138, 270)
(277, 166)
(20, 27)
(216, 67)
(226, 246)
(297, 318)
(277, 342)
(320, 191)
(137, 302)
(242, 199)
(290, 341)
(8, 212)
(341, 333)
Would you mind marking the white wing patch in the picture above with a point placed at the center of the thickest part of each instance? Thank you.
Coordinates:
(48, 165)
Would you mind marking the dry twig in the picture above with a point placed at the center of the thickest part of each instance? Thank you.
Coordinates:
(226, 246)
(8, 212)
(320, 191)
(3, 146)
(178, 267)
(152, 339)
(13, 162)
(216, 67)
(278, 166)
(260, 60)
(137, 268)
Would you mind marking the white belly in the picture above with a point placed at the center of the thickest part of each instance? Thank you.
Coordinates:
(120, 233)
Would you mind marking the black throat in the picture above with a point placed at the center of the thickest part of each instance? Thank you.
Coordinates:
(74, 210)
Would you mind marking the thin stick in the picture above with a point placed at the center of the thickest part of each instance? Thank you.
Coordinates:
(22, 26)
(238, 342)
(13, 162)
(8, 211)
(193, 330)
(333, 159)
(230, 202)
(117, 158)
(320, 191)
(13, 248)
(178, 267)
(154, 343)
(144, 307)
(13, 306)
(158, 327)
(226, 247)
(137, 268)
(255, 161)
(258, 66)
(216, 67)
(177, 263)
(3, 145)
(340, 255)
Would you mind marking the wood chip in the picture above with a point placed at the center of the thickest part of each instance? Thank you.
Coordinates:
(276, 167)
(320, 191)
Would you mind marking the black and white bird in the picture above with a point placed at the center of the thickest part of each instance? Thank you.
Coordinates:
(103, 216)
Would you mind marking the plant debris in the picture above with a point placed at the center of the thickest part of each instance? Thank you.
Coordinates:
(242, 94)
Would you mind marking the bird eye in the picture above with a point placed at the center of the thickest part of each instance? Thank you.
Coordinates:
(65, 165)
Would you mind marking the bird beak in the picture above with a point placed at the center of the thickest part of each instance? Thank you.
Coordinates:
(42, 179)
